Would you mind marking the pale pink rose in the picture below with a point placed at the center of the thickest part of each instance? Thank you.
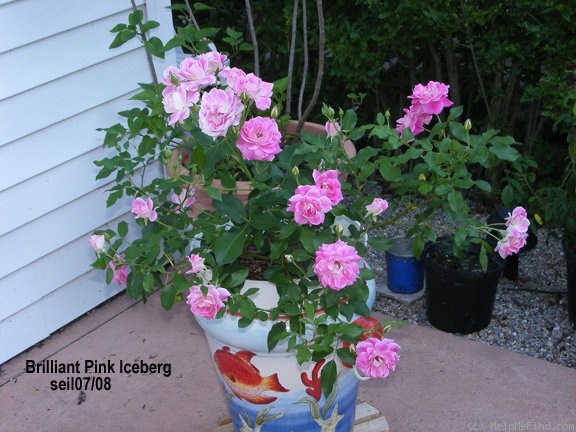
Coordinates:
(329, 183)
(377, 206)
(209, 305)
(197, 71)
(97, 241)
(336, 265)
(332, 128)
(375, 358)
(414, 119)
(219, 110)
(177, 102)
(214, 60)
(197, 263)
(431, 98)
(511, 244)
(233, 77)
(309, 204)
(144, 209)
(259, 139)
(119, 273)
(257, 90)
(186, 197)
(518, 222)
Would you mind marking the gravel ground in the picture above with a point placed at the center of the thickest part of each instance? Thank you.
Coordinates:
(529, 317)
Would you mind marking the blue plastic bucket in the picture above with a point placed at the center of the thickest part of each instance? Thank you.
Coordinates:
(405, 272)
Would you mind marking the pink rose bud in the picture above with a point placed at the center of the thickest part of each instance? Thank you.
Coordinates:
(332, 128)
(97, 241)
(377, 206)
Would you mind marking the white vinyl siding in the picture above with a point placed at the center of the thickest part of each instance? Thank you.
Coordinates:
(60, 82)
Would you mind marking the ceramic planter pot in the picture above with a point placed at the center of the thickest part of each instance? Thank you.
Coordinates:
(405, 272)
(269, 391)
(459, 301)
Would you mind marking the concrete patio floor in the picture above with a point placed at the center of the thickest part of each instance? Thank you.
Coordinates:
(442, 383)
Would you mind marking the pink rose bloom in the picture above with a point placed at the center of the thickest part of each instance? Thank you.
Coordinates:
(144, 209)
(259, 139)
(511, 244)
(332, 128)
(219, 110)
(329, 183)
(414, 119)
(119, 274)
(431, 98)
(97, 241)
(377, 206)
(197, 263)
(375, 358)
(233, 77)
(186, 197)
(257, 90)
(177, 102)
(309, 205)
(214, 60)
(196, 70)
(206, 307)
(518, 222)
(336, 265)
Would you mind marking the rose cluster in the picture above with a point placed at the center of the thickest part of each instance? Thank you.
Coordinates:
(221, 96)
(427, 101)
(516, 233)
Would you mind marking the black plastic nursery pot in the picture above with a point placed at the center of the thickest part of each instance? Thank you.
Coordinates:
(457, 300)
(570, 254)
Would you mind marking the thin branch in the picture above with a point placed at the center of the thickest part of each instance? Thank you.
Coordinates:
(305, 66)
(253, 37)
(148, 55)
(320, 73)
(291, 58)
(192, 17)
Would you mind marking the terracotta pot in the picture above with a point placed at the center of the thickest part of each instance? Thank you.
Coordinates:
(204, 202)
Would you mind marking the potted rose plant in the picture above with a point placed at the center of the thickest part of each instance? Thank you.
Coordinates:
(433, 166)
(278, 280)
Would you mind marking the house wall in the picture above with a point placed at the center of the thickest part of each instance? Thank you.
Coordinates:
(60, 82)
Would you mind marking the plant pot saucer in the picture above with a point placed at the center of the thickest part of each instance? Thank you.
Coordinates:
(383, 289)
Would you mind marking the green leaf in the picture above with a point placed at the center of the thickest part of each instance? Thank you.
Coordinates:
(276, 334)
(167, 296)
(388, 171)
(328, 376)
(483, 185)
(155, 47)
(504, 153)
(122, 229)
(380, 243)
(349, 120)
(213, 193)
(232, 207)
(229, 247)
(135, 17)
